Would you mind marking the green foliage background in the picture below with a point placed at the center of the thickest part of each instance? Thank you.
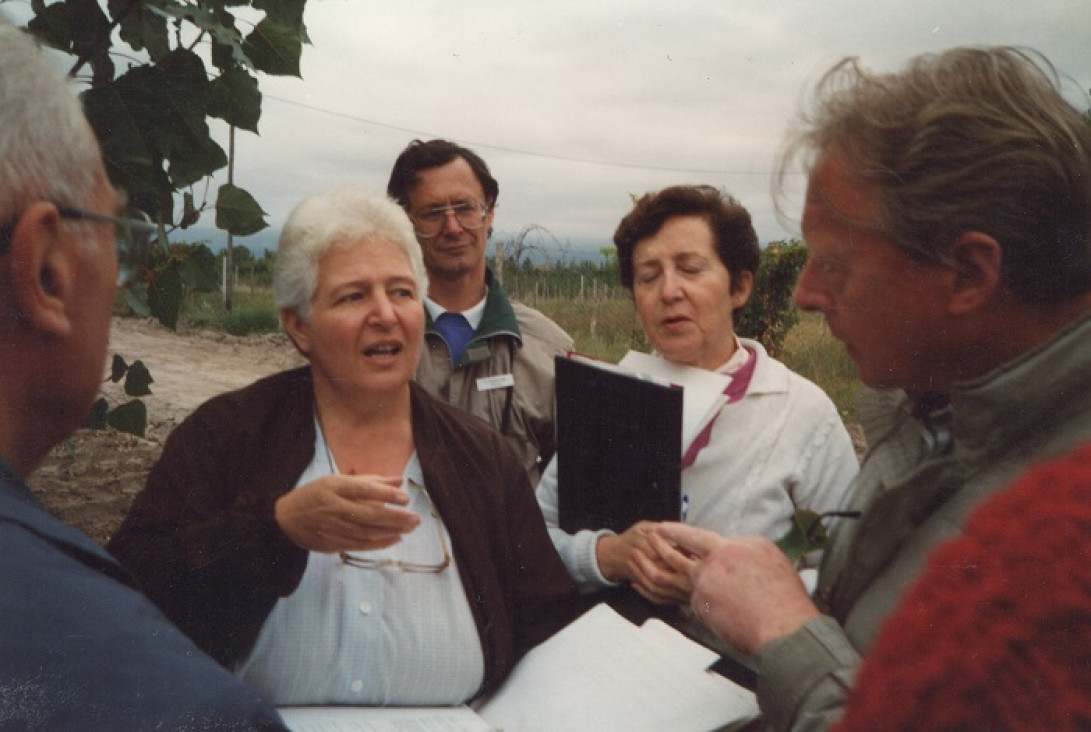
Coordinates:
(156, 72)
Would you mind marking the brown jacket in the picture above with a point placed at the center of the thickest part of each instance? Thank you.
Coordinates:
(202, 540)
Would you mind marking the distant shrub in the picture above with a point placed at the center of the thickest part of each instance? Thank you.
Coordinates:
(770, 314)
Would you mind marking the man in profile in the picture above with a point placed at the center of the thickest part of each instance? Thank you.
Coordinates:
(488, 355)
(948, 223)
(81, 648)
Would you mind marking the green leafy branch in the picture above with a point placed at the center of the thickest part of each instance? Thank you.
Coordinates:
(132, 416)
(150, 97)
(808, 532)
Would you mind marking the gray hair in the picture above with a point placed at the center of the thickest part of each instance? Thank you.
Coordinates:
(972, 139)
(343, 216)
(47, 149)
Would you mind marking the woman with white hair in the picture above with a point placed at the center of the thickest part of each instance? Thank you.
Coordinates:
(332, 533)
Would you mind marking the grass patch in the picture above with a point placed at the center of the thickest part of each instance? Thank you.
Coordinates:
(606, 328)
(251, 312)
(811, 351)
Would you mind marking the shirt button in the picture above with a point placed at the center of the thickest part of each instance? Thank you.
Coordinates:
(357, 686)
(365, 607)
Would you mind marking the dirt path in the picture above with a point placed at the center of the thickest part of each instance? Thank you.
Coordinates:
(91, 480)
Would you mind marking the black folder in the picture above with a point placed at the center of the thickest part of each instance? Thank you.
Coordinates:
(619, 447)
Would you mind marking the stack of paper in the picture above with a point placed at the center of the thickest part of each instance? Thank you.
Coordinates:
(604, 673)
(600, 673)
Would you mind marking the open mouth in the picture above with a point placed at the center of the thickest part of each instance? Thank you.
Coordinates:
(383, 349)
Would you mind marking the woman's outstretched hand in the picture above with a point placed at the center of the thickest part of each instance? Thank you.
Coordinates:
(343, 513)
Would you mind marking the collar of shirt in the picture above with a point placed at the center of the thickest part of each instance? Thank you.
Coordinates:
(737, 361)
(473, 315)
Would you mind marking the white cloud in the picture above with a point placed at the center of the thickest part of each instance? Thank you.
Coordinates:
(576, 105)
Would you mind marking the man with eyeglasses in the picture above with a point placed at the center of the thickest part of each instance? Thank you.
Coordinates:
(485, 354)
(80, 646)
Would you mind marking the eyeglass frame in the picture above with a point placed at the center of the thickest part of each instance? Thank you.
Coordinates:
(130, 250)
(401, 565)
(450, 209)
(132, 238)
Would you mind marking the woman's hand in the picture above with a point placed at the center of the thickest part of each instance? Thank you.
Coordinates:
(746, 590)
(632, 556)
(661, 572)
(343, 513)
(612, 552)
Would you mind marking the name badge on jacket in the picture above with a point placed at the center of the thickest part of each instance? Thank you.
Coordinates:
(488, 383)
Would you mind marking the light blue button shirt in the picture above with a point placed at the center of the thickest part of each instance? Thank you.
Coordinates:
(371, 636)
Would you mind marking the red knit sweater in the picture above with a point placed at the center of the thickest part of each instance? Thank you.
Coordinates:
(996, 633)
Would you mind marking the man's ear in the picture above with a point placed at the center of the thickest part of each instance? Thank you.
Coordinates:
(976, 259)
(43, 268)
(297, 330)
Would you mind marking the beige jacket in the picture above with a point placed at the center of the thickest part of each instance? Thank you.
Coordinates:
(921, 478)
(504, 376)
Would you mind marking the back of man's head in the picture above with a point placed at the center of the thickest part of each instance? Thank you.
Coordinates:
(972, 139)
(47, 149)
(55, 281)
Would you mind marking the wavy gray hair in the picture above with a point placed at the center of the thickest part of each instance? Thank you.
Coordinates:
(971, 139)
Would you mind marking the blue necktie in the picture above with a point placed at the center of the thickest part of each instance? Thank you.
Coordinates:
(456, 330)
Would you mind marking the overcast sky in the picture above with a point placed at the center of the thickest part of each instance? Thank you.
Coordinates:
(576, 104)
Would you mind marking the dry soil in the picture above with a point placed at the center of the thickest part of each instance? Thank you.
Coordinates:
(91, 479)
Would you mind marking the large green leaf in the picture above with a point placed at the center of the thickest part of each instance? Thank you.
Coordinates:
(78, 27)
(131, 417)
(227, 51)
(238, 212)
(120, 118)
(138, 380)
(285, 12)
(141, 27)
(52, 25)
(165, 297)
(182, 103)
(274, 48)
(96, 418)
(234, 98)
(190, 213)
(193, 161)
(807, 534)
(118, 367)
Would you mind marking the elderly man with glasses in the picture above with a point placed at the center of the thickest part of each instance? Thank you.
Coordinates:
(488, 355)
(81, 647)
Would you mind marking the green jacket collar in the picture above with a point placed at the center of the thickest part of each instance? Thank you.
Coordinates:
(498, 320)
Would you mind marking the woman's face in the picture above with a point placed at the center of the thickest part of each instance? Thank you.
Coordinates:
(682, 292)
(366, 324)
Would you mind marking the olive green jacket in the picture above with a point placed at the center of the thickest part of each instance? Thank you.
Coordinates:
(919, 480)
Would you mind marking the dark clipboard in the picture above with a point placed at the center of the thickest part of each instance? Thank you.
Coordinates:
(619, 455)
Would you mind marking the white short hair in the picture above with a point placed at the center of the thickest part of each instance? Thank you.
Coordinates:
(340, 216)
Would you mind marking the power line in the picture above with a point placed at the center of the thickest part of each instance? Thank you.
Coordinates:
(530, 153)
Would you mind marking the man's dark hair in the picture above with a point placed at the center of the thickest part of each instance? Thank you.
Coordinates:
(419, 156)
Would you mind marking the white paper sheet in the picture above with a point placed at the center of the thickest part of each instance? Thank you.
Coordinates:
(604, 673)
(384, 719)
